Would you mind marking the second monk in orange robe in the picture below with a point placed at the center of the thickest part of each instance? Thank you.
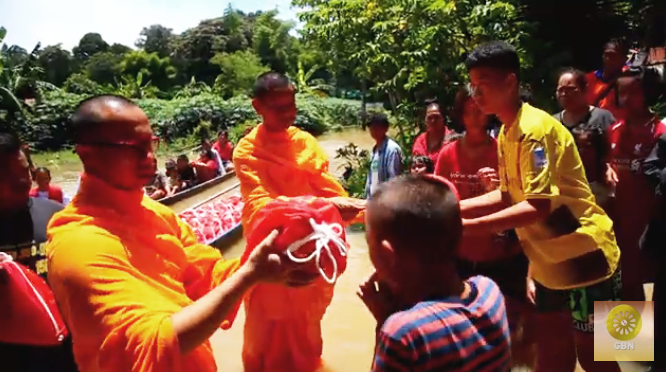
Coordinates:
(278, 160)
(137, 291)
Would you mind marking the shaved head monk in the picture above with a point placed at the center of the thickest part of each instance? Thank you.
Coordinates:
(135, 288)
(278, 160)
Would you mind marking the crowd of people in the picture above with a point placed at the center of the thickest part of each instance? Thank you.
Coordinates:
(214, 161)
(599, 144)
(523, 214)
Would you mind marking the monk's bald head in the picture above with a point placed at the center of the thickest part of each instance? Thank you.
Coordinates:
(417, 214)
(108, 117)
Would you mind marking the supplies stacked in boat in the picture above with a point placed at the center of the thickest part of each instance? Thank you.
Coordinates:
(214, 219)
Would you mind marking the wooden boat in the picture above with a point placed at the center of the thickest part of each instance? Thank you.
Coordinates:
(194, 190)
(236, 232)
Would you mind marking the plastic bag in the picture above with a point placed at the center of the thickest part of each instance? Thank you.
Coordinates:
(311, 232)
(28, 311)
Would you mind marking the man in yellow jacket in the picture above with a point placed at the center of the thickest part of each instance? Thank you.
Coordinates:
(135, 288)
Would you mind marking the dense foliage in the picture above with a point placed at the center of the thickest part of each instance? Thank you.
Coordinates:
(48, 127)
(394, 52)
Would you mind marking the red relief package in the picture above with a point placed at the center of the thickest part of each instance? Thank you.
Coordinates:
(312, 233)
(28, 311)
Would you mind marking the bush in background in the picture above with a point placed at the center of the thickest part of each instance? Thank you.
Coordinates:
(48, 128)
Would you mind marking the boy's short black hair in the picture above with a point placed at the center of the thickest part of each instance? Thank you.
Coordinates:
(378, 119)
(43, 170)
(267, 82)
(9, 144)
(417, 214)
(183, 157)
(497, 55)
(618, 43)
(86, 120)
(425, 161)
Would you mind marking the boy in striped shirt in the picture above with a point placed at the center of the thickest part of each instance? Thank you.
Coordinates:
(428, 318)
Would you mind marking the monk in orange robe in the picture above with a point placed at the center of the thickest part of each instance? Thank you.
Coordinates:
(278, 160)
(137, 291)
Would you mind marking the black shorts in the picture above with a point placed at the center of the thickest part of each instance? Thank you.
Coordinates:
(580, 301)
(22, 358)
(510, 274)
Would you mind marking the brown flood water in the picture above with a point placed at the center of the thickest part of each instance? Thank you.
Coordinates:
(348, 328)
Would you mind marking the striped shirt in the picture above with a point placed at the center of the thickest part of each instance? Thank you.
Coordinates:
(389, 156)
(451, 334)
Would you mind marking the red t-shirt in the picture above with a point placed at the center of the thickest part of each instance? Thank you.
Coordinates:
(420, 147)
(455, 164)
(55, 193)
(634, 195)
(595, 88)
(208, 172)
(226, 150)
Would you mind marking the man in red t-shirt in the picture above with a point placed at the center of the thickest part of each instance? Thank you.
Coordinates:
(602, 83)
(225, 148)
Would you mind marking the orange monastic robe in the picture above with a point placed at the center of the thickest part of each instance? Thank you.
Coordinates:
(285, 336)
(120, 265)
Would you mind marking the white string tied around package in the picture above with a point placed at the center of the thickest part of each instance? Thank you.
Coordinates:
(322, 234)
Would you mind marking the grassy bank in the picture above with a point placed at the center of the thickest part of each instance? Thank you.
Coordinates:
(67, 156)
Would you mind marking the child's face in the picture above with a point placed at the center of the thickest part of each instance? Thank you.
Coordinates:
(377, 132)
(381, 255)
(473, 118)
(172, 173)
(491, 89)
(42, 179)
(182, 164)
(418, 168)
(630, 92)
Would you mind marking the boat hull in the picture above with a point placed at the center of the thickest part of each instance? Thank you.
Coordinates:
(226, 240)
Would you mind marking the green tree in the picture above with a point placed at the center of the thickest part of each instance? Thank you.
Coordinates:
(80, 84)
(103, 68)
(412, 50)
(273, 43)
(239, 71)
(156, 39)
(233, 23)
(409, 50)
(57, 64)
(14, 55)
(89, 45)
(119, 49)
(136, 87)
(158, 70)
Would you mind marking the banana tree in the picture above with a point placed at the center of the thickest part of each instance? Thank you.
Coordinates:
(10, 106)
(306, 84)
(20, 86)
(134, 87)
